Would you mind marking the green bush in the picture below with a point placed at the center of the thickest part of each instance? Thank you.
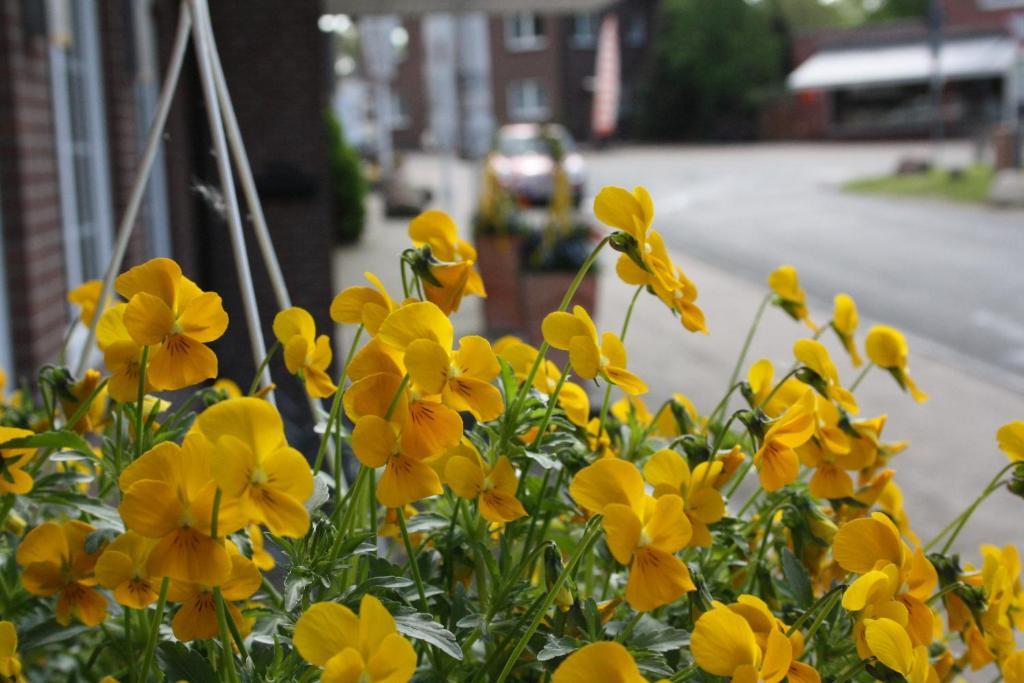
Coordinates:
(347, 185)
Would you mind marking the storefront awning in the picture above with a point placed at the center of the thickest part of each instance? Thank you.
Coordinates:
(489, 6)
(964, 59)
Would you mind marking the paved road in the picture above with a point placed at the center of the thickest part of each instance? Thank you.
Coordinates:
(949, 274)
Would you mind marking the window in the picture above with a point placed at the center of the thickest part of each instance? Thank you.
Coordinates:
(527, 101)
(636, 30)
(584, 30)
(401, 117)
(524, 31)
(154, 211)
(81, 137)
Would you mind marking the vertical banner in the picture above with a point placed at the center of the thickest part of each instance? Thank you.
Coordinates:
(607, 80)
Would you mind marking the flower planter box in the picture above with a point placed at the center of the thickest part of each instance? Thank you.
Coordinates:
(541, 292)
(498, 257)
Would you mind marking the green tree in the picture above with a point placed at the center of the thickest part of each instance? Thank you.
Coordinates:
(347, 184)
(713, 63)
(900, 9)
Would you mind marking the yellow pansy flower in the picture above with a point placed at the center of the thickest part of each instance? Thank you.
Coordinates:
(641, 532)
(832, 454)
(10, 663)
(763, 623)
(347, 647)
(170, 314)
(494, 488)
(305, 354)
(666, 279)
(168, 496)
(55, 562)
(669, 474)
(791, 298)
(604, 662)
(228, 387)
(572, 398)
(776, 460)
(94, 417)
(629, 211)
(406, 477)
(255, 465)
(121, 354)
(13, 478)
(724, 644)
(889, 642)
(1010, 438)
(590, 356)
(366, 306)
(844, 323)
(462, 378)
(86, 296)
(893, 583)
(455, 275)
(1013, 667)
(814, 356)
(260, 557)
(887, 348)
(196, 619)
(123, 568)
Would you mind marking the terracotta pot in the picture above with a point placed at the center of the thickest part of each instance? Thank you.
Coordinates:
(541, 292)
(498, 260)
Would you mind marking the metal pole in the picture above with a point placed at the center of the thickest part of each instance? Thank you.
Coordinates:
(131, 212)
(201, 30)
(245, 178)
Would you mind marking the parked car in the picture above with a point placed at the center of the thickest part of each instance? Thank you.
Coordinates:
(522, 159)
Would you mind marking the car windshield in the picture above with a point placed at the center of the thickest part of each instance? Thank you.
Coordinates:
(519, 145)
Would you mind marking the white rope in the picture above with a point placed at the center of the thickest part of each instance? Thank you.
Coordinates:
(131, 212)
(200, 36)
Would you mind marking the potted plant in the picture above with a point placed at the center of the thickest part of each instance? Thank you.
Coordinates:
(498, 232)
(552, 256)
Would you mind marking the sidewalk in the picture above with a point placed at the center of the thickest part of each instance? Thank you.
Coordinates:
(953, 453)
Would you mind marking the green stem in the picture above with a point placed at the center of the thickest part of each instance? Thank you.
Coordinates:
(683, 674)
(84, 406)
(810, 610)
(627, 630)
(589, 536)
(128, 642)
(750, 338)
(552, 400)
(861, 376)
(823, 613)
(228, 657)
(957, 525)
(154, 631)
(255, 386)
(956, 585)
(412, 561)
(142, 395)
(776, 388)
(608, 387)
(850, 671)
(334, 415)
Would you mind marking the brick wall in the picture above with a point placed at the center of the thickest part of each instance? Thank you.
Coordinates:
(971, 13)
(28, 189)
(410, 83)
(278, 72)
(544, 65)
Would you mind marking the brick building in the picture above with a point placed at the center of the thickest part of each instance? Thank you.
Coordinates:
(78, 83)
(541, 68)
(875, 80)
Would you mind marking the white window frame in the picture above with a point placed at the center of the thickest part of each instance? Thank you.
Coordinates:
(155, 210)
(63, 30)
(531, 112)
(6, 344)
(585, 41)
(517, 40)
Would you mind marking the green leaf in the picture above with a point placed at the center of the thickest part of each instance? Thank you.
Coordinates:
(798, 581)
(48, 633)
(420, 626)
(427, 521)
(294, 586)
(555, 648)
(182, 664)
(543, 459)
(58, 440)
(650, 634)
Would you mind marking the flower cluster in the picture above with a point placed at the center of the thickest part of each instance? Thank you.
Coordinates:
(469, 509)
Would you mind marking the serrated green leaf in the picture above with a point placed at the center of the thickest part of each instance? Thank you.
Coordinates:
(57, 440)
(420, 626)
(798, 581)
(179, 663)
(555, 648)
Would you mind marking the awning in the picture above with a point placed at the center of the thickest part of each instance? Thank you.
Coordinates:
(489, 6)
(964, 59)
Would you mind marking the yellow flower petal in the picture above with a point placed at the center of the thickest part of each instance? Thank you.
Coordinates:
(393, 662)
(421, 320)
(622, 531)
(324, 630)
(406, 480)
(465, 477)
(428, 365)
(722, 642)
(373, 440)
(890, 643)
(559, 329)
(204, 318)
(179, 363)
(668, 529)
(159, 277)
(148, 319)
(597, 663)
(608, 481)
(861, 543)
(656, 578)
